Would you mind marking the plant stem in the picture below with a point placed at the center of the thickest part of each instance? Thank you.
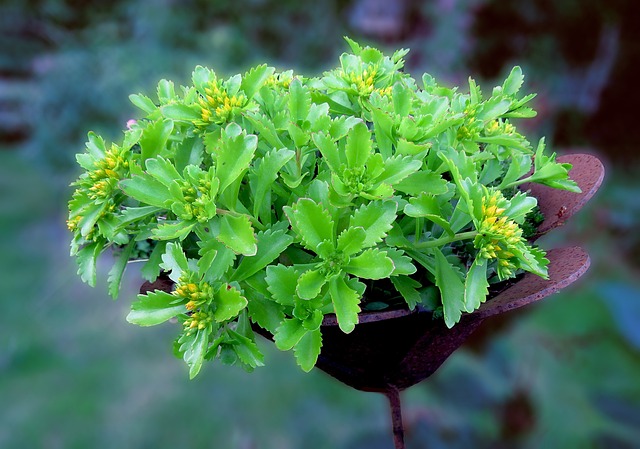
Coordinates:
(444, 240)
(393, 394)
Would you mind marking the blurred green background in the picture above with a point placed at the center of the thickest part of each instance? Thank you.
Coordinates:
(73, 374)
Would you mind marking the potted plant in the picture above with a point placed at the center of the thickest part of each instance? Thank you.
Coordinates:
(275, 202)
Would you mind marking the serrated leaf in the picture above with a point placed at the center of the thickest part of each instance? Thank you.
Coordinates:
(493, 109)
(401, 263)
(423, 182)
(513, 82)
(282, 282)
(174, 261)
(308, 349)
(229, 302)
(310, 284)
(143, 102)
(397, 168)
(147, 190)
(299, 101)
(246, 350)
(427, 206)
(237, 234)
(262, 178)
(476, 285)
(376, 218)
(215, 259)
(451, 289)
(154, 308)
(270, 244)
(132, 214)
(311, 222)
(178, 230)
(329, 150)
(86, 259)
(371, 264)
(351, 240)
(181, 112)
(401, 99)
(359, 146)
(154, 137)
(289, 334)
(162, 170)
(407, 287)
(266, 313)
(235, 154)
(346, 303)
(194, 350)
(254, 79)
(151, 269)
(117, 270)
(95, 146)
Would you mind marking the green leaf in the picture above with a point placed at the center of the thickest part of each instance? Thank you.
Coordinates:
(351, 240)
(401, 263)
(397, 168)
(371, 264)
(229, 302)
(493, 109)
(174, 261)
(154, 137)
(117, 270)
(552, 173)
(246, 350)
(234, 155)
(253, 80)
(383, 129)
(401, 99)
(329, 150)
(427, 206)
(151, 269)
(162, 170)
(131, 214)
(154, 308)
(289, 334)
(262, 178)
(359, 146)
(270, 244)
(86, 260)
(451, 288)
(423, 182)
(173, 230)
(476, 285)
(346, 303)
(194, 349)
(266, 313)
(513, 82)
(407, 287)
(310, 284)
(376, 218)
(282, 281)
(311, 222)
(143, 102)
(181, 112)
(299, 101)
(237, 234)
(520, 205)
(307, 350)
(147, 190)
(215, 258)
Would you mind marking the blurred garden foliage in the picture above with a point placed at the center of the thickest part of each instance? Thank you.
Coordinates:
(75, 374)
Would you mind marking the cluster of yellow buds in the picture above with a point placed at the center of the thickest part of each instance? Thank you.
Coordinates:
(497, 234)
(217, 105)
(198, 320)
(196, 206)
(108, 172)
(197, 294)
(365, 82)
(498, 127)
(282, 80)
(471, 126)
(73, 223)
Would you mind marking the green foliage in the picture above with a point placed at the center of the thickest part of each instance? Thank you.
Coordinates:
(268, 199)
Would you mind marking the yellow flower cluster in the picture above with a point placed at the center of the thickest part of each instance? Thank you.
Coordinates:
(496, 127)
(196, 294)
(108, 172)
(497, 234)
(198, 320)
(196, 206)
(279, 80)
(365, 82)
(217, 105)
